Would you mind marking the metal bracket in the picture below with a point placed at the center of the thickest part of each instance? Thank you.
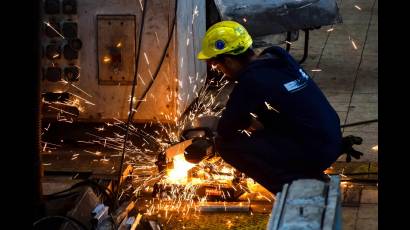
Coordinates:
(305, 47)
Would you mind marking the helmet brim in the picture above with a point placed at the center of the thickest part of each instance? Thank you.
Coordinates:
(202, 56)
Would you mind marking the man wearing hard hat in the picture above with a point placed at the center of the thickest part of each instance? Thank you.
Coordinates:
(277, 125)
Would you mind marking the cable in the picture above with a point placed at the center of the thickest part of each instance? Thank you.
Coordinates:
(359, 123)
(55, 197)
(91, 183)
(76, 223)
(134, 81)
(161, 59)
(131, 111)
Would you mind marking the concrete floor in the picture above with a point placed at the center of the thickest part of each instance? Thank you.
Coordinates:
(349, 78)
(364, 216)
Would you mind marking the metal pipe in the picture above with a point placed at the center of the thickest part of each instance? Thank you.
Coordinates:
(306, 47)
(130, 114)
(359, 123)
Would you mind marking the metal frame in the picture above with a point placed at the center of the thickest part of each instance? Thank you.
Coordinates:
(305, 47)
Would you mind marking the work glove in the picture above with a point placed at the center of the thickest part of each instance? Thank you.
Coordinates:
(347, 147)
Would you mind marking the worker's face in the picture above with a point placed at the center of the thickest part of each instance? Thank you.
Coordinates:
(226, 65)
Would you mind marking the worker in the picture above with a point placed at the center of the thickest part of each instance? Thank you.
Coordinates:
(277, 125)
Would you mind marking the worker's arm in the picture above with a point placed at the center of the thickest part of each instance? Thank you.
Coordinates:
(243, 101)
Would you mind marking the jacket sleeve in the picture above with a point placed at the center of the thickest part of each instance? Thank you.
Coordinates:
(243, 100)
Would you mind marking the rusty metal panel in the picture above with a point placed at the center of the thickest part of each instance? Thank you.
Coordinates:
(116, 48)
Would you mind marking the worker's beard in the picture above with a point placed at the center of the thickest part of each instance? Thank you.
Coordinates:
(229, 74)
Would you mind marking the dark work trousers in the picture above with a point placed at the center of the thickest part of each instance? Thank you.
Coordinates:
(271, 160)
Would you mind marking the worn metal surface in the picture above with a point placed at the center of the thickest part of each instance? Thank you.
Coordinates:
(189, 33)
(277, 208)
(263, 17)
(113, 101)
(159, 15)
(264, 41)
(307, 204)
(332, 217)
(77, 161)
(116, 48)
(176, 78)
(84, 204)
(366, 171)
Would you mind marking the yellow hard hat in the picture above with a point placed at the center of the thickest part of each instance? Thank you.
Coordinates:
(226, 37)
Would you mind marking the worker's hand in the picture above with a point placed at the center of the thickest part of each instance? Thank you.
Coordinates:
(347, 147)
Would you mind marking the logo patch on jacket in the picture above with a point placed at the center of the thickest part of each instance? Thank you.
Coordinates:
(297, 84)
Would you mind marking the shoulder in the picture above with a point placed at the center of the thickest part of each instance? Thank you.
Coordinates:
(274, 50)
